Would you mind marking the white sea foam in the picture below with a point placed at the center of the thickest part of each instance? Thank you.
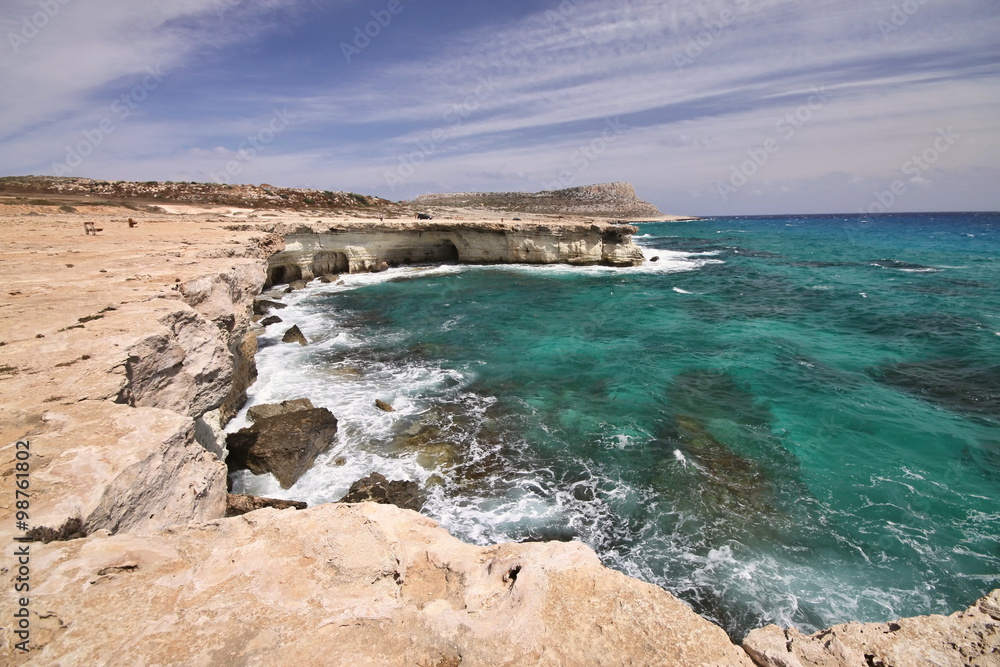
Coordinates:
(682, 291)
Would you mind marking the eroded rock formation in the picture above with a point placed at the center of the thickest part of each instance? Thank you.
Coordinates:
(377, 489)
(350, 585)
(317, 249)
(966, 638)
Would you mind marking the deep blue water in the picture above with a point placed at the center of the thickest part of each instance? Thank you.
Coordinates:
(783, 419)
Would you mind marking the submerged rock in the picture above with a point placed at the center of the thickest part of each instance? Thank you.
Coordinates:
(967, 386)
(285, 444)
(970, 637)
(383, 406)
(294, 335)
(264, 306)
(377, 489)
(268, 321)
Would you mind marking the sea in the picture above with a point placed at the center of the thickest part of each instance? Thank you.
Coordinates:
(778, 419)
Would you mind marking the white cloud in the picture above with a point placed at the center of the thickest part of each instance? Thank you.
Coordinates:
(698, 84)
(89, 47)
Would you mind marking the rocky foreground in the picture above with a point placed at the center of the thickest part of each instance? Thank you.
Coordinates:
(121, 357)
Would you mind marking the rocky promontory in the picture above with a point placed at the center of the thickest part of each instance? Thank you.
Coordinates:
(317, 249)
(122, 356)
(118, 354)
(612, 200)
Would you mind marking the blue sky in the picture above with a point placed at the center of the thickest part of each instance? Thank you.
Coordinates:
(710, 107)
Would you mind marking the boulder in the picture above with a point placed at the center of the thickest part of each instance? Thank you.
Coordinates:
(264, 306)
(377, 489)
(970, 637)
(383, 406)
(329, 278)
(272, 319)
(295, 285)
(285, 445)
(294, 335)
(237, 504)
(269, 410)
(380, 267)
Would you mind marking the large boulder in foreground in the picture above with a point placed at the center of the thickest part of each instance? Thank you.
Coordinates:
(377, 489)
(345, 585)
(970, 637)
(285, 444)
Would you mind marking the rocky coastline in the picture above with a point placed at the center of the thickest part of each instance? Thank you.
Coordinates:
(124, 355)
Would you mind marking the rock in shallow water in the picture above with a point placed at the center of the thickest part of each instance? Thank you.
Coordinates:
(264, 306)
(294, 335)
(285, 444)
(268, 410)
(377, 489)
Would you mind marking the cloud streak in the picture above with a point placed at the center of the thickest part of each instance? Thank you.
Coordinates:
(696, 84)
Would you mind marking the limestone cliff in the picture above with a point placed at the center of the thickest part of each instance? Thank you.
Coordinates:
(970, 637)
(615, 200)
(316, 249)
(359, 584)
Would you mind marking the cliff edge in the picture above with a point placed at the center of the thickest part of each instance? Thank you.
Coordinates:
(119, 353)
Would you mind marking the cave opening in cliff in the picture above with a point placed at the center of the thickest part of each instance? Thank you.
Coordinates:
(327, 263)
(438, 252)
(279, 275)
(449, 252)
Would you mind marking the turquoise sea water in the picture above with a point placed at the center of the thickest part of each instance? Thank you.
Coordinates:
(788, 419)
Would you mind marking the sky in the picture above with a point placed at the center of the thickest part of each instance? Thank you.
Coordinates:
(708, 107)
